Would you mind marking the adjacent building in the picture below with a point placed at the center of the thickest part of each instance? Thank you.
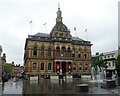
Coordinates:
(119, 25)
(3, 61)
(0, 65)
(3, 58)
(110, 58)
(17, 70)
(57, 54)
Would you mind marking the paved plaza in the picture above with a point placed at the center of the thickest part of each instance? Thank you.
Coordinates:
(55, 88)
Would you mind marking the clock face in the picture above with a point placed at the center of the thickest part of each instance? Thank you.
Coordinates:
(59, 19)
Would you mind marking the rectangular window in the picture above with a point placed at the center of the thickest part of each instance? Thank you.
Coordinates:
(34, 66)
(73, 55)
(86, 67)
(109, 64)
(42, 66)
(113, 63)
(49, 52)
(85, 56)
(49, 66)
(79, 55)
(58, 53)
(35, 51)
(42, 52)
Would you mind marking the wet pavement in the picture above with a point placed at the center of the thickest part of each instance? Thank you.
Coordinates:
(0, 89)
(55, 88)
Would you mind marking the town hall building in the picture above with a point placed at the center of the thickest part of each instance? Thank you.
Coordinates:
(57, 54)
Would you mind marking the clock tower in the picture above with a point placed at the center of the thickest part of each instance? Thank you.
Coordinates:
(59, 15)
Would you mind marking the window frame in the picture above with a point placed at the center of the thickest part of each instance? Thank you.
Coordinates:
(34, 66)
(42, 66)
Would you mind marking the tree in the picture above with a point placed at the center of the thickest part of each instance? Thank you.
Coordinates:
(117, 63)
(8, 68)
(98, 62)
(94, 64)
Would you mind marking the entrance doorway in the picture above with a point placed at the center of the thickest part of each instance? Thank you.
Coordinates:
(63, 67)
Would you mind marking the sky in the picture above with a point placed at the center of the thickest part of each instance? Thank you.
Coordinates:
(99, 17)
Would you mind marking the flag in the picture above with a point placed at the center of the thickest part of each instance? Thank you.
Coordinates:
(85, 30)
(44, 24)
(31, 21)
(75, 28)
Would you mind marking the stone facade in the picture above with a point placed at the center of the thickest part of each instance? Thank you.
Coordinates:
(57, 53)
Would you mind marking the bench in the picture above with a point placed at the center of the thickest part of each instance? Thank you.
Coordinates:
(82, 87)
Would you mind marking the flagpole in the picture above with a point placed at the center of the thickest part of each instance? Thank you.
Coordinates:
(31, 26)
(75, 31)
(46, 28)
(86, 34)
(45, 24)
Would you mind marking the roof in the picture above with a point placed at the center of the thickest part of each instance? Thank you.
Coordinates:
(110, 53)
(44, 35)
(77, 39)
(41, 35)
(60, 27)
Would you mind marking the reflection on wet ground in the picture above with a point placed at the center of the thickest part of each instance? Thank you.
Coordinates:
(50, 86)
(12, 87)
(55, 88)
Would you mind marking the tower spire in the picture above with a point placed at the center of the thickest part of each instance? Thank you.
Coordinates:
(59, 15)
(58, 5)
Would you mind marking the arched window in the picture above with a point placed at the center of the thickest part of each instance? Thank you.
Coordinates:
(49, 66)
(42, 52)
(63, 51)
(49, 52)
(35, 51)
(42, 66)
